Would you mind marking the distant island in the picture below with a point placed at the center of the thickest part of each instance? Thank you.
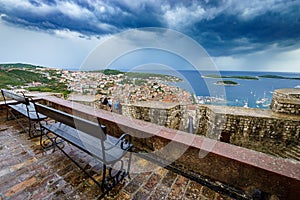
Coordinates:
(227, 83)
(279, 77)
(251, 77)
(237, 77)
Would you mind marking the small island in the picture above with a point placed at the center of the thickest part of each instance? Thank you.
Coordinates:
(227, 83)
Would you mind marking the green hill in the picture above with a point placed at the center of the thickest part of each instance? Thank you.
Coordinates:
(19, 65)
(12, 74)
(17, 75)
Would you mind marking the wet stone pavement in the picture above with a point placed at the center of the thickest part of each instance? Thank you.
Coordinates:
(27, 172)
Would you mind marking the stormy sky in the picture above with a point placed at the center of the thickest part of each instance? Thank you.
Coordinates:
(254, 35)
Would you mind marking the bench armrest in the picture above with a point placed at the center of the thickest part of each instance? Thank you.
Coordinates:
(125, 141)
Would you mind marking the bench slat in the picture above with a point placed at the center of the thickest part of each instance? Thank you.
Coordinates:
(91, 138)
(81, 124)
(25, 106)
(87, 143)
(12, 95)
(21, 108)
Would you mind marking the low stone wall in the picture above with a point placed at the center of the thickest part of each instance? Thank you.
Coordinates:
(286, 101)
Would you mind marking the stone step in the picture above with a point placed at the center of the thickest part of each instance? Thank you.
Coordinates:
(273, 154)
(296, 153)
(280, 154)
(296, 148)
(291, 155)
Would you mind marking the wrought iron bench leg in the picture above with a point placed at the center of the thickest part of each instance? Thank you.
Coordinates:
(103, 178)
(17, 119)
(36, 132)
(90, 176)
(129, 164)
(52, 141)
(29, 129)
(7, 113)
(107, 184)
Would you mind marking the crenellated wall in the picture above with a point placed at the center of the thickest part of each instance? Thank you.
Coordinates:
(286, 101)
(161, 113)
(260, 130)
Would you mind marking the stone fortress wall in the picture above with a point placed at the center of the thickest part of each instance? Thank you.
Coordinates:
(161, 113)
(275, 131)
(286, 101)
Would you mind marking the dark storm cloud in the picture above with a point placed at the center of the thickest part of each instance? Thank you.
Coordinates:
(223, 27)
(228, 32)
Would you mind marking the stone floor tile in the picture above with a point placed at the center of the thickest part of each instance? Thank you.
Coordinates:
(20, 196)
(193, 190)
(132, 187)
(221, 197)
(140, 178)
(208, 192)
(178, 188)
(152, 182)
(20, 187)
(161, 171)
(161, 192)
(141, 194)
(169, 179)
(123, 196)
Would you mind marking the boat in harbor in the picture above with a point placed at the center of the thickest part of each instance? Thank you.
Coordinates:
(263, 100)
(209, 99)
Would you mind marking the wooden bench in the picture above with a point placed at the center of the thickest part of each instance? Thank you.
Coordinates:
(22, 105)
(91, 138)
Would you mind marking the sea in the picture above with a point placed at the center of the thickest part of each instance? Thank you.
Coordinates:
(248, 93)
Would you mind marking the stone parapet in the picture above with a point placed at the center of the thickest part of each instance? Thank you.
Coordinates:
(235, 166)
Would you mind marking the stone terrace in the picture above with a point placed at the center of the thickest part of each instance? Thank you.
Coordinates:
(26, 172)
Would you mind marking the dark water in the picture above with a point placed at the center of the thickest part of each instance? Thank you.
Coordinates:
(250, 93)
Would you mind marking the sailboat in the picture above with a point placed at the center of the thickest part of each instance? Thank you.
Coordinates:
(246, 104)
(262, 100)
